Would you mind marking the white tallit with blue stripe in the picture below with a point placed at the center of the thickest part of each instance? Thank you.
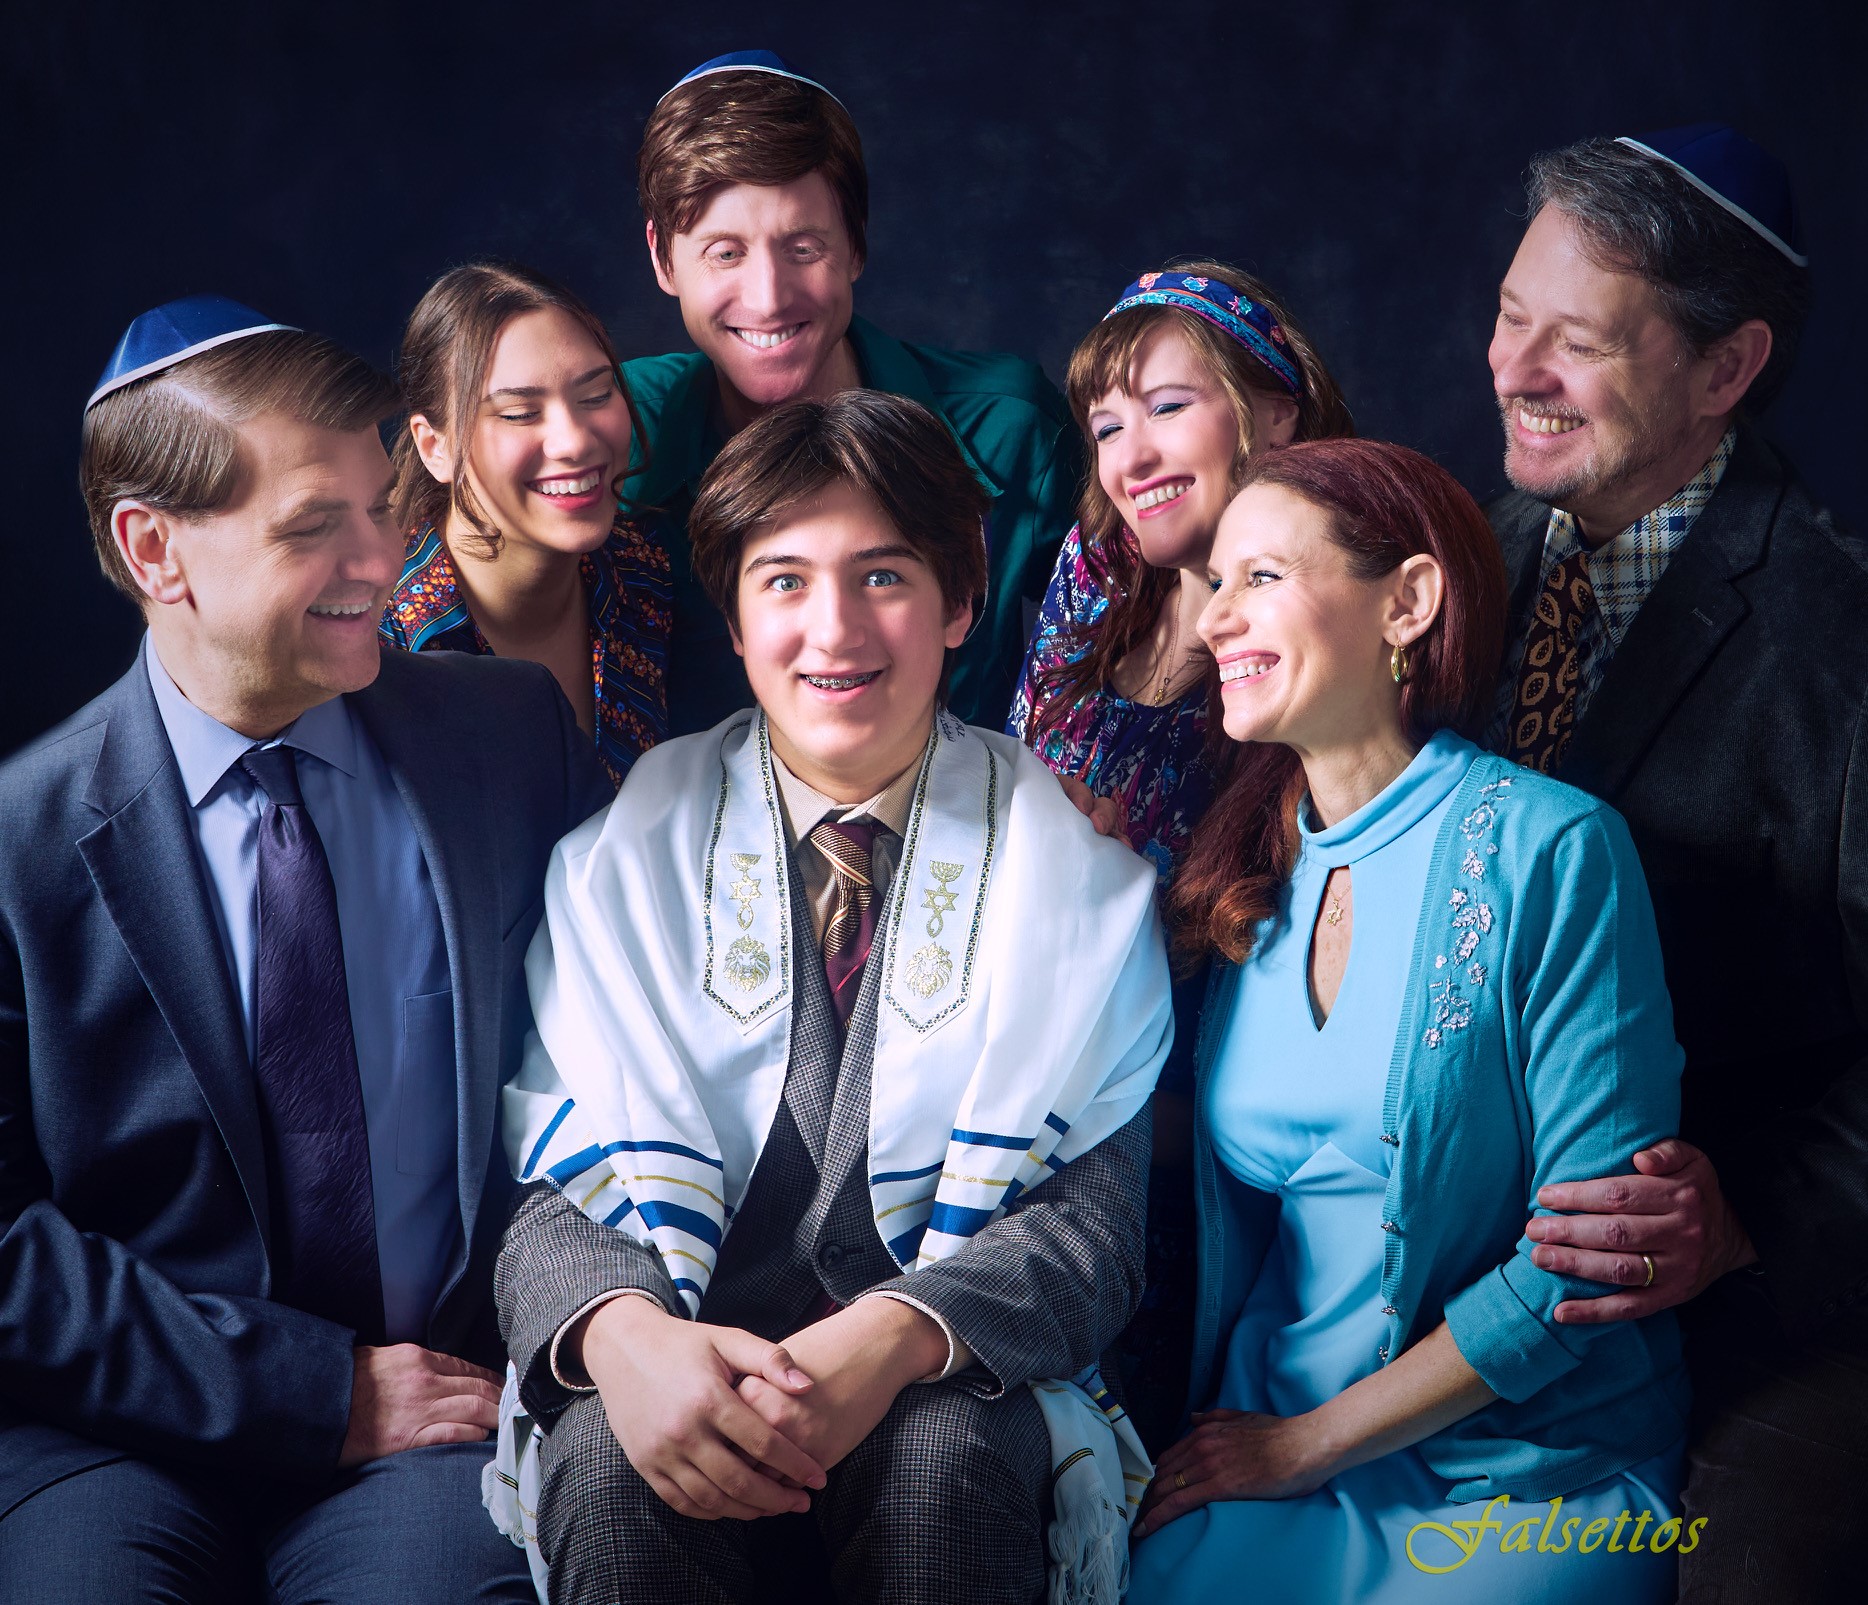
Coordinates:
(1022, 1017)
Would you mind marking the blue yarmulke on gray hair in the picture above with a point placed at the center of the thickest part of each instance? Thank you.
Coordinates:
(1733, 172)
(174, 332)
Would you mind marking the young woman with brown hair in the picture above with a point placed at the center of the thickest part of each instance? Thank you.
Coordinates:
(509, 487)
(1191, 373)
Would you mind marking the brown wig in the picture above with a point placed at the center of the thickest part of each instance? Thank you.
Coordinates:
(891, 449)
(1385, 504)
(746, 128)
(1104, 361)
(172, 441)
(446, 350)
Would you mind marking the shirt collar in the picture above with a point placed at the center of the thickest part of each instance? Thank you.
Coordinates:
(806, 807)
(678, 429)
(205, 749)
(427, 600)
(1624, 570)
(885, 363)
(1665, 527)
(681, 456)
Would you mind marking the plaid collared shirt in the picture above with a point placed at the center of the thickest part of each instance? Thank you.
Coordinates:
(1623, 573)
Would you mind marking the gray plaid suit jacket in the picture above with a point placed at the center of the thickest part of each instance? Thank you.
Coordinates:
(1041, 1292)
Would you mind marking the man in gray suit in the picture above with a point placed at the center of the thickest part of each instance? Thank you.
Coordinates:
(756, 1341)
(263, 909)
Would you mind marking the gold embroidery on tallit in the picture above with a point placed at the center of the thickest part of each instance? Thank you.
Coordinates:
(747, 963)
(746, 889)
(931, 967)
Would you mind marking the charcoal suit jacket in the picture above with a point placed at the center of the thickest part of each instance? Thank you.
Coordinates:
(1731, 733)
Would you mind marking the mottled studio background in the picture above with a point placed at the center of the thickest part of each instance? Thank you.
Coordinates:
(324, 162)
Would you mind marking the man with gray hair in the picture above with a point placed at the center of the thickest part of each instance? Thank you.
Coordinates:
(1688, 645)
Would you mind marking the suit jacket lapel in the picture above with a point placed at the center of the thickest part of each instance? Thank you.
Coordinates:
(1520, 524)
(1680, 626)
(144, 863)
(443, 784)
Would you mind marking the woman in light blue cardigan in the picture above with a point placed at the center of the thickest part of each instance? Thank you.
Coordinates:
(1445, 990)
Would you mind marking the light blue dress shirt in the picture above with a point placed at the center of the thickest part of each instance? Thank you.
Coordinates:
(395, 961)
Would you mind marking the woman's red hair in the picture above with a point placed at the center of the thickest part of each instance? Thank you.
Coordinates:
(1385, 504)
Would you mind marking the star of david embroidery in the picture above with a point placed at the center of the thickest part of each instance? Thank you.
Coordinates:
(938, 899)
(745, 890)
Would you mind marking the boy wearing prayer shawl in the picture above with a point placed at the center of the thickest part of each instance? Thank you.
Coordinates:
(832, 1192)
(756, 205)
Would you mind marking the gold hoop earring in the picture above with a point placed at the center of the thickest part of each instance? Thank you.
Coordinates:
(1397, 663)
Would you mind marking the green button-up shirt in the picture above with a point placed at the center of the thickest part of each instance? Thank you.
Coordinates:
(1017, 434)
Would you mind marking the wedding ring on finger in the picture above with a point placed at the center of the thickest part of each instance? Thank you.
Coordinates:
(1649, 1263)
(1180, 1479)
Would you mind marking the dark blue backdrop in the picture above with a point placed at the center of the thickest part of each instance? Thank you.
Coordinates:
(326, 161)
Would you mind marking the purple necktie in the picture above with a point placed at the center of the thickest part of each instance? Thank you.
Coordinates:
(851, 927)
(323, 1211)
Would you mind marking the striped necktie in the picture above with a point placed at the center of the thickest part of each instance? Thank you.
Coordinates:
(851, 927)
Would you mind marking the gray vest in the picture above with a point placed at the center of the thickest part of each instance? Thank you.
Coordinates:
(805, 1227)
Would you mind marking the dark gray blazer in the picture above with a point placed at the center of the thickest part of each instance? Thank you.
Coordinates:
(1041, 1292)
(134, 1259)
(1731, 732)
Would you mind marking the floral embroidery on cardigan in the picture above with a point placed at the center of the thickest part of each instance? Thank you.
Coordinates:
(1472, 921)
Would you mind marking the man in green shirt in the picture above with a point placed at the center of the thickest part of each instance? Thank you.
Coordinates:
(752, 182)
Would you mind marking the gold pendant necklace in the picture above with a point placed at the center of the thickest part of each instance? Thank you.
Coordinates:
(1335, 915)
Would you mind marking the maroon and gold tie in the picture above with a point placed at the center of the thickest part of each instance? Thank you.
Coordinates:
(852, 923)
(1543, 713)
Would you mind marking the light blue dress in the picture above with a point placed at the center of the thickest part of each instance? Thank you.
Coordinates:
(1294, 1110)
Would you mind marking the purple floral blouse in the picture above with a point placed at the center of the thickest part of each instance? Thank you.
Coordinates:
(1152, 760)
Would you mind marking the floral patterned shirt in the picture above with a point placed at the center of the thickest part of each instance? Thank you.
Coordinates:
(631, 610)
(1152, 760)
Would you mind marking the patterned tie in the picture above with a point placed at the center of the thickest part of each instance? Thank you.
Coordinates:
(852, 923)
(1543, 715)
(306, 1066)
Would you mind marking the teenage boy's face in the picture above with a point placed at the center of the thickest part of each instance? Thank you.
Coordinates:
(764, 277)
(844, 632)
(270, 605)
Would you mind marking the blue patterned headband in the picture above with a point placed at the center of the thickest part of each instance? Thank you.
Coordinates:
(1246, 321)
